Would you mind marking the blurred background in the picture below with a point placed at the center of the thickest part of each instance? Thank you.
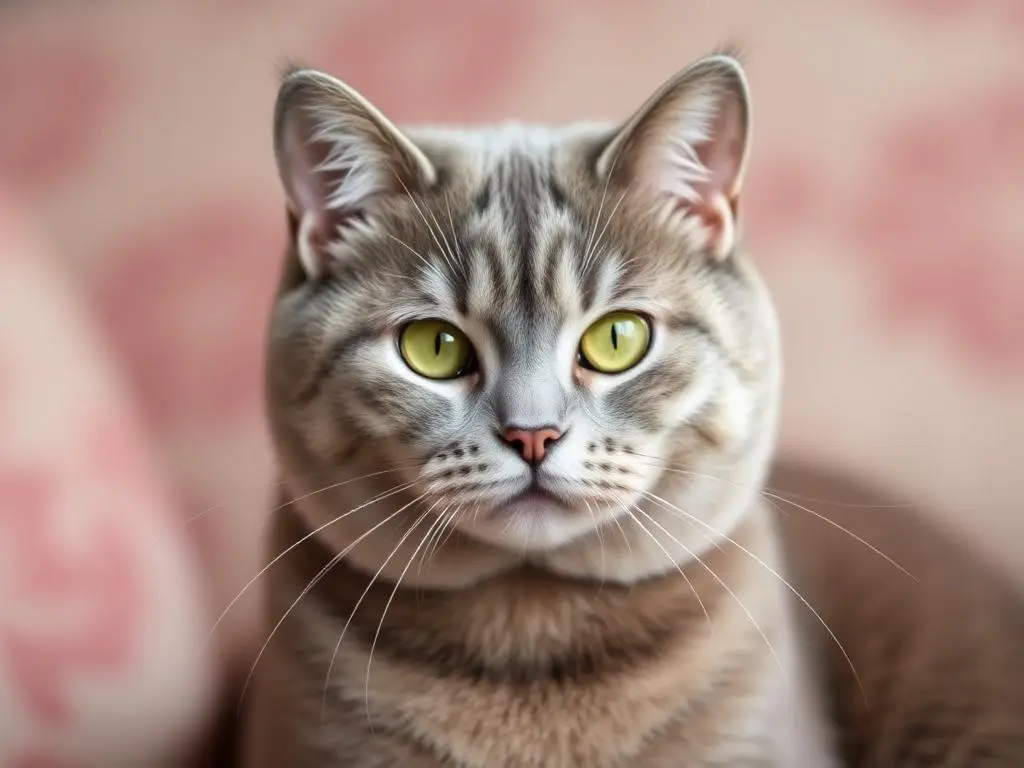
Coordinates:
(141, 228)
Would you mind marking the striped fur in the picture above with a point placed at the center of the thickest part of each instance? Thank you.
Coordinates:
(631, 618)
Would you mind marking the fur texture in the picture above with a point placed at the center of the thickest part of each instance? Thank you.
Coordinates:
(435, 599)
(938, 648)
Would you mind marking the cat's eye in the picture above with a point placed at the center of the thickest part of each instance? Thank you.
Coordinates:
(436, 349)
(615, 343)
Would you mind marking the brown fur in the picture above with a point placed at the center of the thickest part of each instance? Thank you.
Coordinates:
(524, 669)
(940, 656)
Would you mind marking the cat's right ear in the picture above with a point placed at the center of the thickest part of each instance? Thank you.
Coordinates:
(338, 157)
(686, 150)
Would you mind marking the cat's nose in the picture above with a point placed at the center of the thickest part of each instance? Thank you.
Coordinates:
(532, 444)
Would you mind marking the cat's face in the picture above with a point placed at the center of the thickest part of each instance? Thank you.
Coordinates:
(531, 328)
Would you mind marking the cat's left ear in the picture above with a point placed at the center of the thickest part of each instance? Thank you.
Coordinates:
(340, 159)
(686, 149)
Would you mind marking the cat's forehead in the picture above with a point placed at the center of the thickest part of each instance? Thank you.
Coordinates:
(492, 143)
(510, 197)
(512, 160)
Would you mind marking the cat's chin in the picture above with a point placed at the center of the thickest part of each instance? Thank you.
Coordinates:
(532, 521)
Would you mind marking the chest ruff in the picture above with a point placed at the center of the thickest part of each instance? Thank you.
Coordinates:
(523, 669)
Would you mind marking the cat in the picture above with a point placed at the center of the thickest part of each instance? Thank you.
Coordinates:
(523, 386)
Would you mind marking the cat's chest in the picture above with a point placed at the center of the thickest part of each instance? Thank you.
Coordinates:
(650, 718)
(650, 698)
(526, 669)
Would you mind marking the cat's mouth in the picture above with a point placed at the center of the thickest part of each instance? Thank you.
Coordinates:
(535, 516)
(537, 496)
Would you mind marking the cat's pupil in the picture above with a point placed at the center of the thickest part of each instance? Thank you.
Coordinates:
(615, 336)
(437, 344)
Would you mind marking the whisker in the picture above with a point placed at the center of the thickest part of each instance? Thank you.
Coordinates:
(726, 587)
(449, 255)
(778, 497)
(451, 223)
(305, 538)
(629, 511)
(278, 483)
(588, 253)
(394, 275)
(387, 605)
(447, 529)
(597, 220)
(453, 528)
(600, 539)
(431, 532)
(845, 530)
(359, 602)
(673, 508)
(611, 215)
(337, 558)
(419, 210)
(625, 538)
(809, 499)
(429, 265)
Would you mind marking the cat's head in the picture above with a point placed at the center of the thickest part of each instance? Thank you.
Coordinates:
(533, 330)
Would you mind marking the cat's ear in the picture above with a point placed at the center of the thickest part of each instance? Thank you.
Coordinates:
(338, 158)
(686, 148)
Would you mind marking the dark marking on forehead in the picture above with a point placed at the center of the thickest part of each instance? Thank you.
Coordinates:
(492, 255)
(461, 291)
(556, 195)
(526, 188)
(461, 272)
(482, 201)
(520, 186)
(520, 181)
(498, 335)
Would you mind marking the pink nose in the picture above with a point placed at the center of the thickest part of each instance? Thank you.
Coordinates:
(532, 443)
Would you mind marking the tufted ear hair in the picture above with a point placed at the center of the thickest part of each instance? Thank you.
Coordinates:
(338, 157)
(686, 148)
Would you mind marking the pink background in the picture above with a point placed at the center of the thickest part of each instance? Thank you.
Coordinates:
(140, 234)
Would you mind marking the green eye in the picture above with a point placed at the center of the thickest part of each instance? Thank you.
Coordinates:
(435, 349)
(616, 342)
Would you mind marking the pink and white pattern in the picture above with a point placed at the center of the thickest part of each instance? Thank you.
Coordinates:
(208, 273)
(101, 648)
(883, 204)
(58, 97)
(942, 232)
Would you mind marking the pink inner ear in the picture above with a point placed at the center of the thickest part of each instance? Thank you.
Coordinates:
(710, 187)
(722, 156)
(301, 184)
(711, 217)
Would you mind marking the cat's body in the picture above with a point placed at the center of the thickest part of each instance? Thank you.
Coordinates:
(523, 387)
(938, 647)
